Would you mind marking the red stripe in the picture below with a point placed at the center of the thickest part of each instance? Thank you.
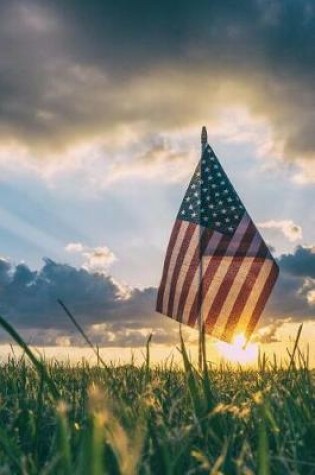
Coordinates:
(194, 264)
(205, 282)
(229, 277)
(222, 247)
(173, 238)
(178, 265)
(244, 292)
(262, 300)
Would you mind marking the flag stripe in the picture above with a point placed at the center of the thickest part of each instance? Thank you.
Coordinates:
(218, 329)
(253, 297)
(246, 287)
(176, 249)
(189, 268)
(229, 277)
(167, 261)
(210, 270)
(262, 300)
(210, 282)
(207, 274)
(193, 281)
(182, 266)
(178, 264)
(236, 290)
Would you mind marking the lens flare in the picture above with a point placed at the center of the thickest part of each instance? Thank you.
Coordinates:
(237, 352)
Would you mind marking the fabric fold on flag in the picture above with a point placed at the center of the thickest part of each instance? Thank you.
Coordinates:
(218, 271)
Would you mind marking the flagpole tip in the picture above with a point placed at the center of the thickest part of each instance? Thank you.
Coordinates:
(204, 137)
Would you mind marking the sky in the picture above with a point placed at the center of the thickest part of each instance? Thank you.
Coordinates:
(101, 108)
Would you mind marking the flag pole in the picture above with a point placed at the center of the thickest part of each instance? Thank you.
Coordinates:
(204, 142)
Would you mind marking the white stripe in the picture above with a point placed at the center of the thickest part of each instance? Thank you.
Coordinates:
(234, 291)
(238, 235)
(232, 296)
(254, 296)
(224, 265)
(206, 261)
(195, 283)
(180, 236)
(193, 245)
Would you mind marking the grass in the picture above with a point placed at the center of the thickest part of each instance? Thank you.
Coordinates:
(57, 419)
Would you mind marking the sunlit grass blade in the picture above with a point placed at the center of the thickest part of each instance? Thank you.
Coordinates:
(292, 364)
(40, 367)
(63, 441)
(82, 332)
(192, 382)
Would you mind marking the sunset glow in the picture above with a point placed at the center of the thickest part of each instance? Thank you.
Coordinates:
(237, 352)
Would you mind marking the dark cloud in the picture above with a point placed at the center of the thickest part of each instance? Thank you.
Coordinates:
(28, 300)
(301, 263)
(70, 71)
(294, 294)
(116, 316)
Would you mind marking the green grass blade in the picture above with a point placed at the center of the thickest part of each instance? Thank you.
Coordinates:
(39, 366)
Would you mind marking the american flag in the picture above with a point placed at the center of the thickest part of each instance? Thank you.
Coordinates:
(218, 271)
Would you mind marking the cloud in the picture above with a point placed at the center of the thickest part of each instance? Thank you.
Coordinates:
(292, 296)
(268, 333)
(300, 264)
(116, 315)
(74, 247)
(28, 300)
(292, 231)
(96, 259)
(84, 72)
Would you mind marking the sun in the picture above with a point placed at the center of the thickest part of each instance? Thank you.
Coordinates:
(237, 352)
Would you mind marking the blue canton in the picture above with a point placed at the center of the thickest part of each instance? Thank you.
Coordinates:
(210, 199)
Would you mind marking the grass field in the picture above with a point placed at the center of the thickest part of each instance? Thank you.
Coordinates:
(57, 419)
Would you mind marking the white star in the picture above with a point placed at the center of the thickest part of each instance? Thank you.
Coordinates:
(204, 189)
(193, 186)
(214, 185)
(230, 228)
(183, 212)
(188, 198)
(217, 194)
(216, 166)
(207, 169)
(193, 215)
(211, 206)
(208, 198)
(222, 182)
(236, 216)
(205, 218)
(215, 214)
(229, 200)
(220, 202)
(227, 220)
(219, 174)
(198, 202)
(196, 194)
(217, 223)
(191, 207)
(224, 211)
(210, 178)
(233, 208)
